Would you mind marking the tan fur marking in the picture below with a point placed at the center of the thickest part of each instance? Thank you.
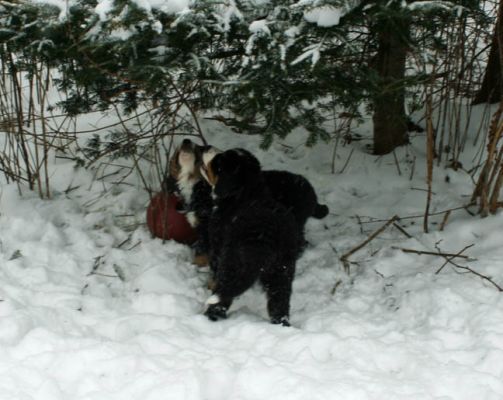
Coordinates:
(212, 284)
(201, 260)
(212, 177)
(174, 166)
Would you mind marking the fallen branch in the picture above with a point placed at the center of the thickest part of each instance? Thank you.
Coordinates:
(344, 258)
(432, 253)
(448, 259)
(500, 289)
(421, 215)
(406, 234)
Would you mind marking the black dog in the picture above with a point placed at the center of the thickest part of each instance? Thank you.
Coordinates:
(291, 190)
(253, 237)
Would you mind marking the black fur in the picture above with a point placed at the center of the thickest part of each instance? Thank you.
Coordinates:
(201, 204)
(253, 237)
(295, 193)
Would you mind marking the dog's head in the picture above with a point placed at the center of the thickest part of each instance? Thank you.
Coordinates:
(184, 162)
(184, 168)
(231, 171)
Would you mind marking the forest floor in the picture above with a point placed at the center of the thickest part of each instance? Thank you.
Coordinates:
(93, 308)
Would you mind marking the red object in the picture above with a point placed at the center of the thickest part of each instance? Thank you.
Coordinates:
(165, 222)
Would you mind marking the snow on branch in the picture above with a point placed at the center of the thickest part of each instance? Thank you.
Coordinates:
(312, 51)
(430, 5)
(325, 13)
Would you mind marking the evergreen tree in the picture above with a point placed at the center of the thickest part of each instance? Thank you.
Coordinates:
(276, 65)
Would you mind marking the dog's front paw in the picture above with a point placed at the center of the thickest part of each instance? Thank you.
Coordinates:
(215, 312)
(280, 321)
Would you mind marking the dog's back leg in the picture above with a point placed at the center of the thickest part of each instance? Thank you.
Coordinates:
(278, 287)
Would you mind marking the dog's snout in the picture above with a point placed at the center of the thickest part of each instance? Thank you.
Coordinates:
(187, 145)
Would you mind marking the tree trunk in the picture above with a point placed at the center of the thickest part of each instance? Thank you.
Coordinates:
(390, 122)
(490, 91)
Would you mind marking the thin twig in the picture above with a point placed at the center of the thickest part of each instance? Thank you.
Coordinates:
(430, 152)
(407, 234)
(347, 161)
(397, 163)
(444, 220)
(449, 259)
(344, 258)
(432, 253)
(420, 215)
(500, 289)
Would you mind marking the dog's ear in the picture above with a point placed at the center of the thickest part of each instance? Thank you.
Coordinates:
(174, 166)
(247, 164)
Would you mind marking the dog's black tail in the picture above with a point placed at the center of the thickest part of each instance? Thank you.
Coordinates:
(320, 211)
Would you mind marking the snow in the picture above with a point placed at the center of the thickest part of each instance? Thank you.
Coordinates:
(312, 51)
(436, 4)
(72, 329)
(103, 8)
(325, 16)
(63, 5)
(168, 6)
(259, 26)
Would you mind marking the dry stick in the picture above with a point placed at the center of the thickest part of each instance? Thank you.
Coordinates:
(482, 188)
(44, 132)
(449, 259)
(344, 257)
(412, 170)
(500, 289)
(430, 151)
(444, 220)
(191, 111)
(31, 113)
(397, 163)
(497, 163)
(493, 203)
(359, 223)
(432, 253)
(420, 216)
(407, 234)
(347, 161)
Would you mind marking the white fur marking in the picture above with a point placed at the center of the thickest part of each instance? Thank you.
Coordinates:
(213, 299)
(191, 217)
(186, 184)
(210, 154)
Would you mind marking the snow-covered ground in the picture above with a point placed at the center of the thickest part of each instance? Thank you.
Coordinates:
(92, 307)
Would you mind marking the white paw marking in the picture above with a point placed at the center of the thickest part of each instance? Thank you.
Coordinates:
(213, 299)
